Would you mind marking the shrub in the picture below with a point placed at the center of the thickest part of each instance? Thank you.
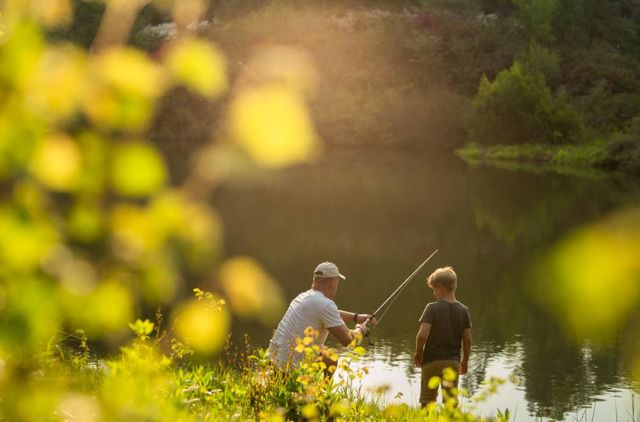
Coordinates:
(624, 149)
(518, 107)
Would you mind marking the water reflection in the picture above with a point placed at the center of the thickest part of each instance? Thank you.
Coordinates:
(379, 215)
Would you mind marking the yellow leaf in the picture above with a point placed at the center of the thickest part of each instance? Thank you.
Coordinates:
(58, 83)
(450, 375)
(251, 291)
(137, 170)
(122, 88)
(395, 411)
(23, 243)
(198, 65)
(21, 52)
(202, 328)
(129, 72)
(273, 125)
(434, 382)
(57, 162)
(134, 232)
(339, 408)
(309, 411)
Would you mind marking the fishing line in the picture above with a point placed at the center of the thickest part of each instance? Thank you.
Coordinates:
(392, 298)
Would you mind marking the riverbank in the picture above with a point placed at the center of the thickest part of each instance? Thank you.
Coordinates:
(150, 381)
(595, 157)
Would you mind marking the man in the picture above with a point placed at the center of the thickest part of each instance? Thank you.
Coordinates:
(315, 308)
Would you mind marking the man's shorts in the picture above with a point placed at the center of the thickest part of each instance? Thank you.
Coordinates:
(436, 369)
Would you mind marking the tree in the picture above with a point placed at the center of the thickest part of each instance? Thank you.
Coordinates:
(518, 107)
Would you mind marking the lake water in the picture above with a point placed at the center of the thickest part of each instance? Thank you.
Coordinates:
(379, 215)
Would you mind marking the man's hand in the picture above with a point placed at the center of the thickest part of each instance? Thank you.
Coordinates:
(367, 320)
(363, 329)
(371, 320)
(464, 367)
(417, 360)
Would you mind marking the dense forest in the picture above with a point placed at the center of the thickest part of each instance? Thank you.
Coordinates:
(435, 73)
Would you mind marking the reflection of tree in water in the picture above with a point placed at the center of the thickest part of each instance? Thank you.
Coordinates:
(528, 208)
(477, 372)
(562, 375)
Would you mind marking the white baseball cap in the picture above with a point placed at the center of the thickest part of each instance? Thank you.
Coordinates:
(327, 270)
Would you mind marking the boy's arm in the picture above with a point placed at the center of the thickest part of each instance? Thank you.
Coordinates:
(421, 340)
(466, 350)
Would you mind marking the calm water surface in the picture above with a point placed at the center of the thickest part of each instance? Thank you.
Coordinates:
(379, 215)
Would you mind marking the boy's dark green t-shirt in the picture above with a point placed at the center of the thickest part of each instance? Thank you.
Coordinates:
(448, 320)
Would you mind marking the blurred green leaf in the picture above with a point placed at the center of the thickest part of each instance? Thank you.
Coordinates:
(589, 270)
(137, 170)
(23, 242)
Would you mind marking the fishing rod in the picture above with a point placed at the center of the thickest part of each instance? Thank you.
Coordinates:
(392, 298)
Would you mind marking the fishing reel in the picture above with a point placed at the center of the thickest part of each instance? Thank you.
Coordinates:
(369, 328)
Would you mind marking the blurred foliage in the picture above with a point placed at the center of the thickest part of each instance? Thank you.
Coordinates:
(592, 278)
(92, 229)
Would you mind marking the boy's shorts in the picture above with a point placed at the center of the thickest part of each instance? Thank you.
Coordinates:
(436, 369)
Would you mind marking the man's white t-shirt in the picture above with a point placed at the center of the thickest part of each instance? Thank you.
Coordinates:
(309, 309)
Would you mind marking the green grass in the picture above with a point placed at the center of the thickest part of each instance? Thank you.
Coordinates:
(147, 381)
(589, 158)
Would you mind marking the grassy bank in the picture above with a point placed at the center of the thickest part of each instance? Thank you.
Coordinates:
(595, 156)
(154, 379)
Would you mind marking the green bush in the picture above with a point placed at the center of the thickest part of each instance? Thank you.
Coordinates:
(624, 148)
(518, 107)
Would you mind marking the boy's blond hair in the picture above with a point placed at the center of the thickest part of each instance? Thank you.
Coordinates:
(445, 278)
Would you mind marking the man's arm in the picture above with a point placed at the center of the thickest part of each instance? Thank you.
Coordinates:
(347, 317)
(345, 336)
(466, 350)
(421, 340)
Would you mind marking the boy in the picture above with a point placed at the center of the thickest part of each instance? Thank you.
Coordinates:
(445, 326)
